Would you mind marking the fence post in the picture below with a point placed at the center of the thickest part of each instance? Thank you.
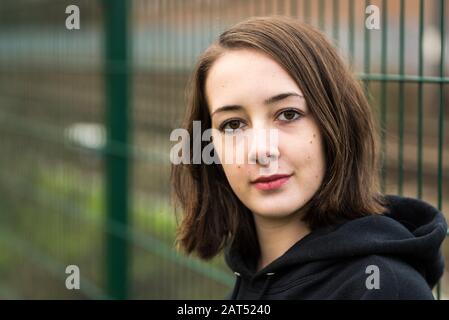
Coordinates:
(116, 164)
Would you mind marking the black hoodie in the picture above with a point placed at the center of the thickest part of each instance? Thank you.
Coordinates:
(391, 256)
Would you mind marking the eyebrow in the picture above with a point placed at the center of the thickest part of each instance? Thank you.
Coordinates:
(268, 101)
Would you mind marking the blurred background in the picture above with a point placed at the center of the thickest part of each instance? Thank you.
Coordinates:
(86, 114)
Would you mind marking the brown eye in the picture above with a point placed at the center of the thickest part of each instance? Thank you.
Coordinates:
(231, 125)
(234, 124)
(288, 115)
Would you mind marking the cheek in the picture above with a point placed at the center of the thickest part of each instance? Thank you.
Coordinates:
(236, 172)
(236, 175)
(306, 153)
(231, 149)
(315, 154)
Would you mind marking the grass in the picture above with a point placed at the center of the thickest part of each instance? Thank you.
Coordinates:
(59, 211)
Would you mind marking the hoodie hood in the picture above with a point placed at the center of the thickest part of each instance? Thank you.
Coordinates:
(412, 231)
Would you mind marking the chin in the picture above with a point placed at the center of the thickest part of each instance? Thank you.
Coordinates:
(274, 209)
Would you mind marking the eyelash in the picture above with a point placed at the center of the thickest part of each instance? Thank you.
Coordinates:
(299, 114)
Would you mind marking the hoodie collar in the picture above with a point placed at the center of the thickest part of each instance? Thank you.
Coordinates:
(412, 230)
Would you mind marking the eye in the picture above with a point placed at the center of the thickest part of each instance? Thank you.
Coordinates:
(289, 115)
(231, 125)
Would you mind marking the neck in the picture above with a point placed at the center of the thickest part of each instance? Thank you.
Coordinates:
(277, 235)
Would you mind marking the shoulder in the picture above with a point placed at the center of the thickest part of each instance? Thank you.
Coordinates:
(382, 277)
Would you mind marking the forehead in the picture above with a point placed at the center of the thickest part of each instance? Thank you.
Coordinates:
(246, 74)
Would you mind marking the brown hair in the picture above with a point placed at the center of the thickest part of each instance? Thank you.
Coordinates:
(213, 215)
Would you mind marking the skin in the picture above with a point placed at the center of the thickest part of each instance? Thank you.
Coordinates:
(246, 78)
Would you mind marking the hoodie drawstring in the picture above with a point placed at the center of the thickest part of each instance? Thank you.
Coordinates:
(266, 285)
(235, 292)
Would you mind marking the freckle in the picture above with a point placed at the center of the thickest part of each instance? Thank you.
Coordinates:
(314, 135)
(310, 141)
(238, 167)
(316, 177)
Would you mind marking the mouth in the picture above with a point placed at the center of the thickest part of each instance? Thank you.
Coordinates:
(271, 182)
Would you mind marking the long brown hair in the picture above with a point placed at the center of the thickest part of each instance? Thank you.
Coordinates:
(213, 217)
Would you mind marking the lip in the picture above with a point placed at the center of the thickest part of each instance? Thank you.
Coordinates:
(272, 182)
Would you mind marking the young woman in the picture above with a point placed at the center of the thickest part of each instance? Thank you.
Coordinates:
(315, 226)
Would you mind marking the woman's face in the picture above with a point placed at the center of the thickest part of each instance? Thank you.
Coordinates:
(291, 169)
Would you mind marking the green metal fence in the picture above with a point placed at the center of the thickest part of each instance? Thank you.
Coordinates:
(85, 117)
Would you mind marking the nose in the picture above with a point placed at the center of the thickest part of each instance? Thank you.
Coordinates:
(264, 146)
